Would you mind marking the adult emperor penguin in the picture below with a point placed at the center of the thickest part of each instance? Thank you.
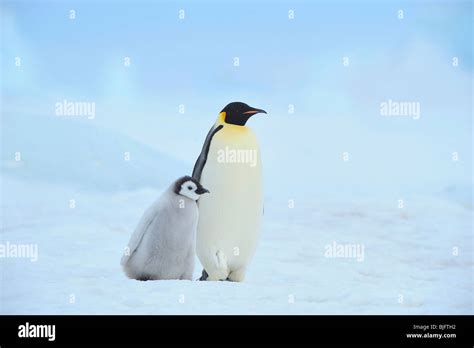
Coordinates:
(229, 218)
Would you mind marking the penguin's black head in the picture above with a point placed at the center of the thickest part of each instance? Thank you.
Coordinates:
(238, 113)
(189, 187)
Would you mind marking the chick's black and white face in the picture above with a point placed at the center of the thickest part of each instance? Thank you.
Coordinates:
(188, 189)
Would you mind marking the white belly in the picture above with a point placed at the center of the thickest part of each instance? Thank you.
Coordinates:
(230, 216)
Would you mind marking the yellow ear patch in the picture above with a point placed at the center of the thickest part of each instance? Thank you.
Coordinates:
(230, 128)
(221, 118)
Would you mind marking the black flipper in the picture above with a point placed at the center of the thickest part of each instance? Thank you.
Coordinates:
(201, 161)
(199, 166)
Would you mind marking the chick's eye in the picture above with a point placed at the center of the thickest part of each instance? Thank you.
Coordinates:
(190, 187)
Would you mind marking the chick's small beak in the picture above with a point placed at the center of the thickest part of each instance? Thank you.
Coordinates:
(202, 190)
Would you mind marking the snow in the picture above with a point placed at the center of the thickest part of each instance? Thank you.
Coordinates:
(417, 259)
(74, 153)
(407, 252)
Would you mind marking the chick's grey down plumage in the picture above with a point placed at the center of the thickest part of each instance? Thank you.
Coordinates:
(163, 244)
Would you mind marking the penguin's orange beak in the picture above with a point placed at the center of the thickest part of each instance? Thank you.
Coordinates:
(254, 111)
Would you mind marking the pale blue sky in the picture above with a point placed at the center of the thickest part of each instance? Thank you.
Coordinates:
(282, 62)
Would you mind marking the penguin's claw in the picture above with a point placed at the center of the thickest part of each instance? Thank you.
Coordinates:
(204, 275)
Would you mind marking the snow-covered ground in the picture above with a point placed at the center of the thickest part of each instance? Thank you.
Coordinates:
(408, 266)
(75, 196)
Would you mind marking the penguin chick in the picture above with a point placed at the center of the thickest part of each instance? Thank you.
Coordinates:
(163, 244)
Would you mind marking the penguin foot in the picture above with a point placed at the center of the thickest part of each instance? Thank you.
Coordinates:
(204, 275)
(237, 275)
